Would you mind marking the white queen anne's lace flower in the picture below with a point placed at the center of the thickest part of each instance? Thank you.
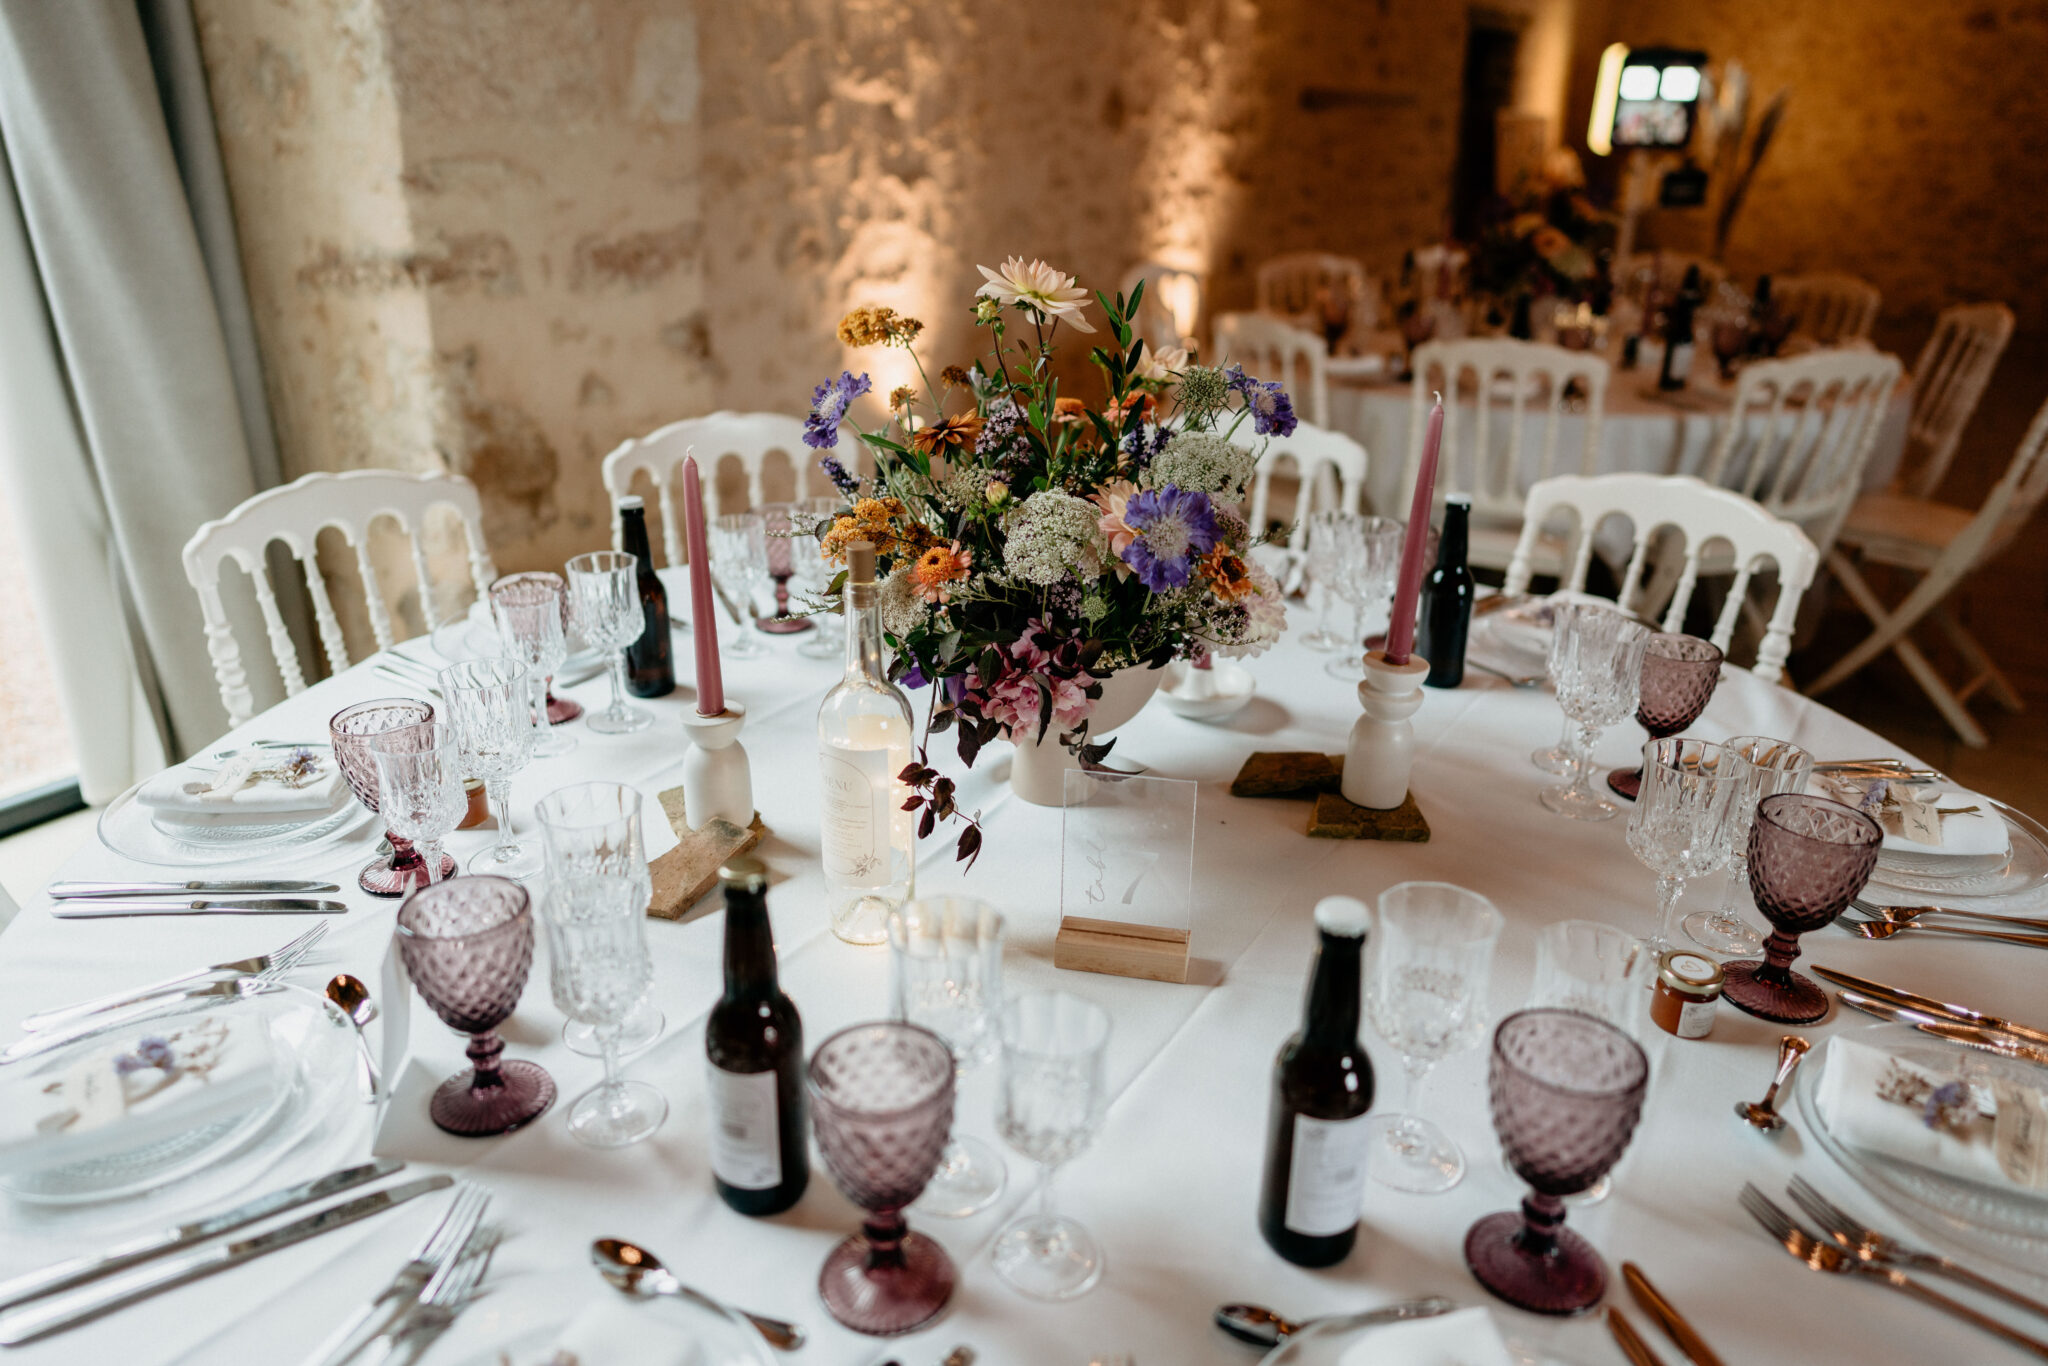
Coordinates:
(1036, 286)
(1203, 461)
(902, 610)
(1051, 535)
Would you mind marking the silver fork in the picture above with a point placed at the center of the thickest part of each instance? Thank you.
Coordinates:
(1825, 1256)
(1872, 1246)
(435, 1252)
(1906, 915)
(266, 966)
(445, 1296)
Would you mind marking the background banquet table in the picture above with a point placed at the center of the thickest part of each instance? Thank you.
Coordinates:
(1171, 1184)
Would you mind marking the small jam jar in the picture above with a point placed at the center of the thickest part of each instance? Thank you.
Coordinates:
(1688, 985)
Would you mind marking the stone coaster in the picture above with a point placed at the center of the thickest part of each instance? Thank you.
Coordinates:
(1336, 819)
(1304, 773)
(1288, 774)
(685, 873)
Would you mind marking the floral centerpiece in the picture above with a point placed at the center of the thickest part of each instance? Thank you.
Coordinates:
(1032, 544)
(1545, 239)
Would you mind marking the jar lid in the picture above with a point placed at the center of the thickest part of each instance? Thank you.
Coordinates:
(1690, 972)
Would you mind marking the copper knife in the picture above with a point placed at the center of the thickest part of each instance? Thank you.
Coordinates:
(1632, 1345)
(1912, 1000)
(1669, 1319)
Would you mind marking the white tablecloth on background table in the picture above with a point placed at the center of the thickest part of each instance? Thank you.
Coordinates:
(1171, 1186)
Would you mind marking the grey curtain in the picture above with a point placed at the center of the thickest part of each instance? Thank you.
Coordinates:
(134, 289)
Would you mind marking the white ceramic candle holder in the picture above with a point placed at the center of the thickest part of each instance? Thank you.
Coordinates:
(717, 782)
(1382, 747)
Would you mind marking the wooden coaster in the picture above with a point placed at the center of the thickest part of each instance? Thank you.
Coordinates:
(1336, 819)
(685, 873)
(1304, 773)
(1271, 773)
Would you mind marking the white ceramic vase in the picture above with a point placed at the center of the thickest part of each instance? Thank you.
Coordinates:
(1038, 773)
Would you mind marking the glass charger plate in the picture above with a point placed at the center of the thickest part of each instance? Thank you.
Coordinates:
(2025, 872)
(1326, 1343)
(128, 828)
(1998, 1222)
(520, 1317)
(315, 1045)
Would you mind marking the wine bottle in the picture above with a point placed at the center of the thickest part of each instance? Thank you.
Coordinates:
(1322, 1087)
(1447, 594)
(864, 738)
(1760, 319)
(754, 1045)
(1678, 332)
(650, 660)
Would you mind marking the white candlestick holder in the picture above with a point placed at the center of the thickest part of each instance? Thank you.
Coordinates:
(1382, 748)
(717, 782)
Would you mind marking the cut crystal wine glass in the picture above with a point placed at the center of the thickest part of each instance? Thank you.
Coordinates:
(1426, 973)
(467, 944)
(1566, 1091)
(1679, 674)
(1055, 1089)
(739, 562)
(489, 710)
(419, 789)
(1808, 857)
(1333, 547)
(599, 824)
(1768, 767)
(814, 575)
(604, 601)
(1596, 969)
(946, 973)
(1600, 663)
(1680, 827)
(882, 1105)
(529, 613)
(1369, 588)
(350, 730)
(1558, 758)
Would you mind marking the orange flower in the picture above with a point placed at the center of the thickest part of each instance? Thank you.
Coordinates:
(1069, 410)
(946, 433)
(1138, 401)
(939, 568)
(883, 521)
(1228, 577)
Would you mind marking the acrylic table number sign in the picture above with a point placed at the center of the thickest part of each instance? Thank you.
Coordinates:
(1127, 862)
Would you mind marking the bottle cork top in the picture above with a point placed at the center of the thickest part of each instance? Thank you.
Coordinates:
(860, 562)
(1342, 915)
(744, 872)
(632, 502)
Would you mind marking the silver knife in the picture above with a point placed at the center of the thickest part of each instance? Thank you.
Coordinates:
(66, 890)
(91, 909)
(77, 1270)
(58, 1312)
(49, 1040)
(1981, 1037)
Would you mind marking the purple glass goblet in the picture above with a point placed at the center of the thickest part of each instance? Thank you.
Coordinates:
(781, 520)
(1679, 674)
(351, 730)
(1808, 858)
(882, 1103)
(468, 945)
(1567, 1090)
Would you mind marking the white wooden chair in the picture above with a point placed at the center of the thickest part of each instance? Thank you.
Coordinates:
(1944, 545)
(1329, 469)
(751, 437)
(1274, 349)
(1487, 382)
(295, 514)
(1172, 305)
(1292, 287)
(1799, 432)
(1701, 514)
(1828, 307)
(1948, 381)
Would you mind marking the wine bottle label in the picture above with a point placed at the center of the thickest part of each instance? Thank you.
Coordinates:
(1326, 1185)
(746, 1142)
(856, 815)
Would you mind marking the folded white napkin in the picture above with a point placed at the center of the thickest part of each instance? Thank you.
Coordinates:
(616, 1331)
(159, 1080)
(1850, 1101)
(1976, 838)
(1465, 1337)
(254, 786)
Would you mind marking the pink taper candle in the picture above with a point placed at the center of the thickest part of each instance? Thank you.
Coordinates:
(1408, 588)
(703, 616)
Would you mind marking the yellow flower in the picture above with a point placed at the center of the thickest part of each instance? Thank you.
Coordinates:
(953, 377)
(938, 569)
(874, 325)
(883, 521)
(901, 397)
(945, 433)
(1037, 287)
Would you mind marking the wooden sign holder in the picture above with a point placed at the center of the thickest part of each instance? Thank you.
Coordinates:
(1120, 949)
(685, 873)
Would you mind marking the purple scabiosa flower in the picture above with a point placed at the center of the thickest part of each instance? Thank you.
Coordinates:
(1236, 381)
(842, 478)
(1272, 411)
(1141, 445)
(1173, 526)
(829, 402)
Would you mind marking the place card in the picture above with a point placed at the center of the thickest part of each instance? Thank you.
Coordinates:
(1127, 864)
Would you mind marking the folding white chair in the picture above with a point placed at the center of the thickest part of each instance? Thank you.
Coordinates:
(1827, 307)
(1172, 305)
(1274, 349)
(1948, 381)
(750, 437)
(1944, 545)
(295, 514)
(1293, 286)
(1702, 515)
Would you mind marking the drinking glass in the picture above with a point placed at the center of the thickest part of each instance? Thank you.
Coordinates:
(467, 944)
(604, 597)
(778, 524)
(489, 711)
(419, 790)
(596, 915)
(882, 1104)
(1426, 974)
(1558, 758)
(1566, 1091)
(586, 822)
(350, 731)
(1368, 587)
(1600, 662)
(528, 609)
(739, 561)
(1679, 674)
(1594, 968)
(946, 973)
(1808, 857)
(563, 710)
(1680, 827)
(1055, 1088)
(1768, 767)
(814, 575)
(1334, 547)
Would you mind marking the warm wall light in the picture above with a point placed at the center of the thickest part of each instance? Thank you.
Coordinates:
(1639, 82)
(1651, 100)
(1606, 89)
(1681, 84)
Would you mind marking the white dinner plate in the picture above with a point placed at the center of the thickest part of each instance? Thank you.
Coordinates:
(1995, 1221)
(519, 1318)
(2025, 871)
(130, 829)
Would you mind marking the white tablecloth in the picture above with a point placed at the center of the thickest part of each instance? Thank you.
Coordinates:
(1170, 1188)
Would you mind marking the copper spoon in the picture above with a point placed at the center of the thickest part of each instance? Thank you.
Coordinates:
(1760, 1114)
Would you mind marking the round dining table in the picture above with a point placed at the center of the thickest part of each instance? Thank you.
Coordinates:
(1170, 1184)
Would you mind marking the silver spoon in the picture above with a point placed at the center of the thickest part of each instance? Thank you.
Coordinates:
(354, 999)
(1514, 680)
(1261, 1327)
(636, 1271)
(1760, 1114)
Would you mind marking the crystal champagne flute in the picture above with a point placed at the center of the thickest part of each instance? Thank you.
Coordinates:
(598, 825)
(604, 595)
(489, 710)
